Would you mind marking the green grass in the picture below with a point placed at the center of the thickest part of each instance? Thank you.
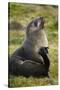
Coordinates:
(24, 13)
(31, 81)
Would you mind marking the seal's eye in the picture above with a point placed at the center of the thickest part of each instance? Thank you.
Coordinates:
(35, 23)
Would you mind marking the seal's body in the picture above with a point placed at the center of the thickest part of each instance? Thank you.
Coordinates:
(32, 58)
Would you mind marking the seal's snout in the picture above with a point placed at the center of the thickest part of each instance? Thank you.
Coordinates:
(41, 21)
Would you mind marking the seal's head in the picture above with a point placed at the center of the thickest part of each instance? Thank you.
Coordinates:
(36, 24)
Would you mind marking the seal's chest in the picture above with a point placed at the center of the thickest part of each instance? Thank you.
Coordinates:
(41, 42)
